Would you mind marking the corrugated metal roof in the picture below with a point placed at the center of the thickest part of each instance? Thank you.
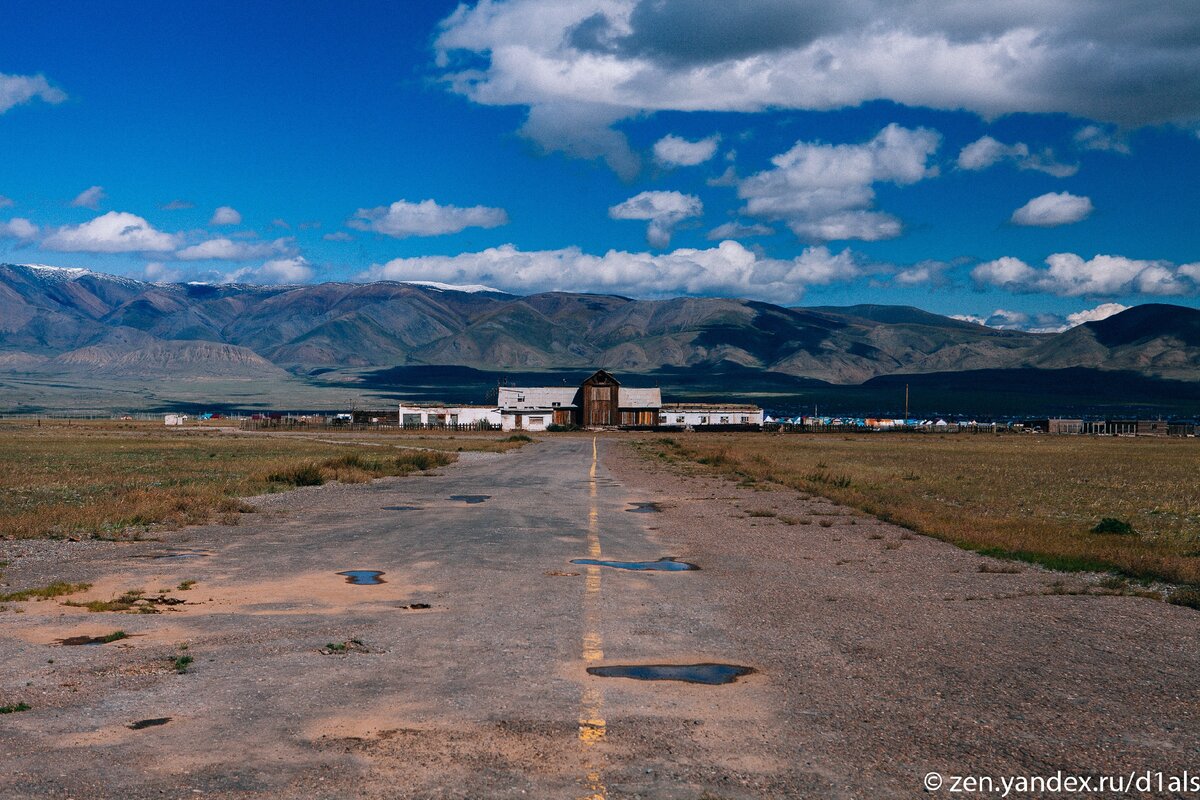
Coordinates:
(639, 398)
(537, 396)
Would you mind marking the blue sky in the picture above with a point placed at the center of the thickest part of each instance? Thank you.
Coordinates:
(1040, 164)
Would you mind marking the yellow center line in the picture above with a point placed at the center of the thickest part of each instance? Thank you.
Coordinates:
(592, 727)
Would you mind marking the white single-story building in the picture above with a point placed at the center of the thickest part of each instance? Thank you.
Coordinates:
(435, 416)
(698, 415)
(534, 408)
(174, 419)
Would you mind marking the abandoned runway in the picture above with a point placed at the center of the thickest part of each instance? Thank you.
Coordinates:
(471, 657)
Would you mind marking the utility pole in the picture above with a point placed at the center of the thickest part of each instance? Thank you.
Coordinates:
(906, 404)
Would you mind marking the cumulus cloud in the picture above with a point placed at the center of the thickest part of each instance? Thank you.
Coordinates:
(18, 228)
(114, 232)
(225, 215)
(426, 218)
(158, 272)
(1097, 137)
(18, 89)
(279, 271)
(89, 198)
(824, 192)
(1042, 322)
(739, 230)
(1070, 275)
(728, 269)
(1053, 209)
(969, 318)
(986, 151)
(675, 151)
(927, 272)
(1102, 311)
(222, 249)
(664, 210)
(579, 66)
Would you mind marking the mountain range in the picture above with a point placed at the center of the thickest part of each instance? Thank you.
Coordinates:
(78, 322)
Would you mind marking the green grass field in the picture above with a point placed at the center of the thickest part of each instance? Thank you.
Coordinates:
(1036, 498)
(114, 480)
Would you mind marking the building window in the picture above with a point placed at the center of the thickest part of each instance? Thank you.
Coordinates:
(681, 419)
(662, 417)
(536, 420)
(745, 420)
(724, 420)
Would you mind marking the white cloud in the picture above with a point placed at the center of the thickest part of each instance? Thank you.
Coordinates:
(228, 250)
(924, 272)
(1043, 322)
(664, 210)
(1069, 275)
(729, 269)
(177, 205)
(824, 192)
(158, 272)
(581, 65)
(225, 215)
(426, 218)
(114, 232)
(1102, 311)
(1053, 209)
(275, 272)
(89, 198)
(986, 151)
(1097, 137)
(338, 236)
(739, 230)
(18, 89)
(1007, 320)
(727, 178)
(6, 202)
(675, 151)
(969, 318)
(18, 228)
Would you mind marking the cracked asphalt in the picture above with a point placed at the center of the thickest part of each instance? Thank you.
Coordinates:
(879, 656)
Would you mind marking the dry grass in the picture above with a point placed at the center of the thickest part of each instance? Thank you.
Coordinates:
(1033, 498)
(113, 480)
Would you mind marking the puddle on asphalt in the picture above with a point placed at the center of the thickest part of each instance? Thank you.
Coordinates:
(401, 508)
(148, 723)
(74, 641)
(668, 564)
(471, 498)
(708, 674)
(179, 554)
(645, 508)
(363, 577)
(415, 607)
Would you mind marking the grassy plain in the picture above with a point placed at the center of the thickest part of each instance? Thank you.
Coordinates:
(1034, 498)
(113, 480)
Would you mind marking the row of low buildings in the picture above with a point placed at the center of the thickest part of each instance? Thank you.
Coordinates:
(1111, 427)
(599, 402)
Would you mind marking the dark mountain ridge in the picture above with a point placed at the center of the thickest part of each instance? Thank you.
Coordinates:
(55, 319)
